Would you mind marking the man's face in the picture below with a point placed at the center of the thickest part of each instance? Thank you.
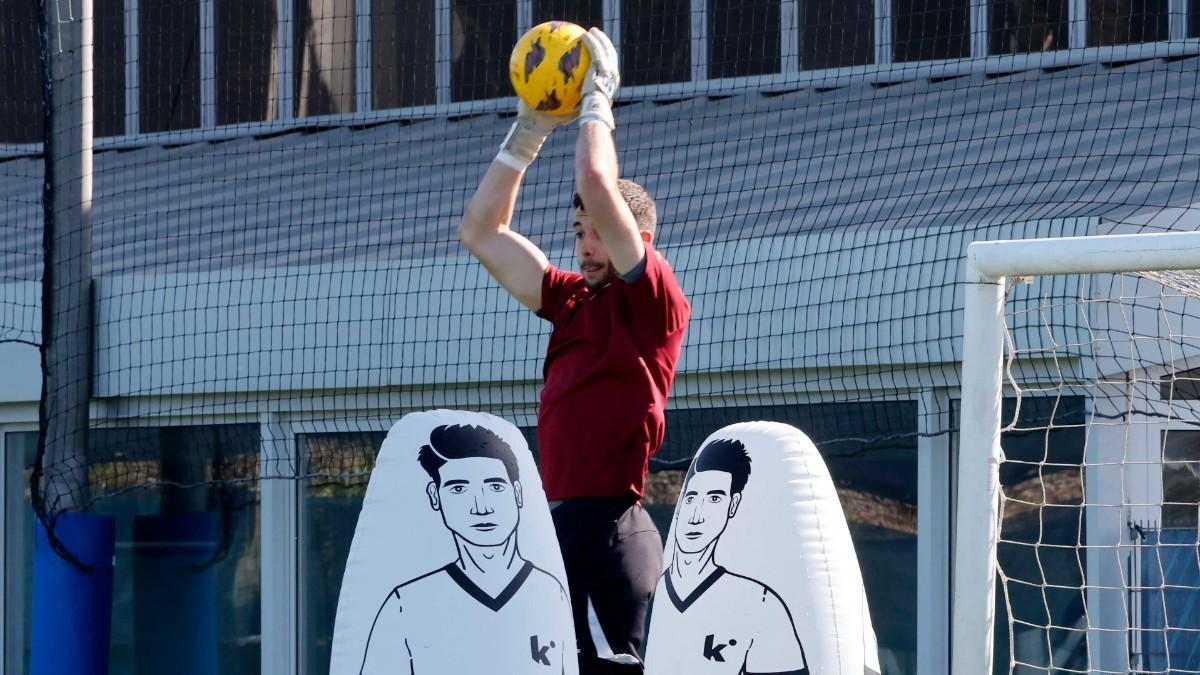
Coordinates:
(704, 510)
(590, 252)
(477, 501)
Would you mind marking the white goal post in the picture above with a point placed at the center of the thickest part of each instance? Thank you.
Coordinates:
(989, 346)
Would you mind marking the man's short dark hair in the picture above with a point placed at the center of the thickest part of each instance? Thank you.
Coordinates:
(460, 441)
(641, 204)
(725, 454)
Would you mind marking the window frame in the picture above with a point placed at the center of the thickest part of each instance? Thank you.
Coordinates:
(883, 71)
(287, 647)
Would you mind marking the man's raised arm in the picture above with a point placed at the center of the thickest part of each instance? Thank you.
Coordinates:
(512, 259)
(596, 169)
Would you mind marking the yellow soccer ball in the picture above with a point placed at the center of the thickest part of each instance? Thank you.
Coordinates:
(547, 67)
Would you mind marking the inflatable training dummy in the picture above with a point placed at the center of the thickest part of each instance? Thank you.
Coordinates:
(454, 567)
(760, 575)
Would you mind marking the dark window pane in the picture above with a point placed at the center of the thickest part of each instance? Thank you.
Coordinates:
(1183, 385)
(924, 30)
(20, 74)
(837, 33)
(743, 37)
(325, 57)
(328, 515)
(169, 64)
(187, 565)
(245, 35)
(1118, 22)
(1043, 532)
(108, 78)
(404, 69)
(1023, 26)
(1194, 19)
(483, 33)
(586, 13)
(655, 37)
(1181, 479)
(871, 452)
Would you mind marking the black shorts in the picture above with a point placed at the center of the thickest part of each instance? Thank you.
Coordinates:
(613, 556)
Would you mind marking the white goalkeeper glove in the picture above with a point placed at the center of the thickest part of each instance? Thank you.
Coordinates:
(528, 132)
(601, 80)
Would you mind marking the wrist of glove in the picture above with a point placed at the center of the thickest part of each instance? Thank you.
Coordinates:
(522, 144)
(596, 107)
(526, 136)
(601, 81)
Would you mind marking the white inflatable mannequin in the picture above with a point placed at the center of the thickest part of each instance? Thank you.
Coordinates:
(454, 567)
(760, 574)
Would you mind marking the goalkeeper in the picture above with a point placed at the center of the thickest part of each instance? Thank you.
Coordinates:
(618, 323)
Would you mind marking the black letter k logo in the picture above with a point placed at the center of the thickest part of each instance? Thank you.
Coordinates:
(713, 653)
(538, 654)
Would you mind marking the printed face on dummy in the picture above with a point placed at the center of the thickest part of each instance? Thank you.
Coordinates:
(704, 510)
(477, 501)
(590, 252)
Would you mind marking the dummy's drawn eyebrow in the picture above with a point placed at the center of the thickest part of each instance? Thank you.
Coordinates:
(495, 480)
(457, 481)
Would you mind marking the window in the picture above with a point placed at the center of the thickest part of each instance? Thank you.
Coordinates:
(325, 52)
(655, 41)
(21, 117)
(20, 452)
(1116, 22)
(1164, 563)
(404, 69)
(586, 13)
(194, 546)
(108, 78)
(1181, 480)
(187, 564)
(1183, 385)
(20, 74)
(836, 33)
(1164, 619)
(245, 60)
(169, 64)
(1040, 527)
(871, 452)
(482, 36)
(337, 467)
(924, 30)
(743, 37)
(1023, 26)
(1193, 18)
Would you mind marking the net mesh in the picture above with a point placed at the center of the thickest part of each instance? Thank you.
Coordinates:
(277, 277)
(1098, 556)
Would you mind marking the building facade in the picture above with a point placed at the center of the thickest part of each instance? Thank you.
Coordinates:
(277, 276)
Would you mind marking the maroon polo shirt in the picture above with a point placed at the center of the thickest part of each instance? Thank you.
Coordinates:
(609, 367)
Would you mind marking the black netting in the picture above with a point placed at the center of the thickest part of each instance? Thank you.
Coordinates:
(276, 277)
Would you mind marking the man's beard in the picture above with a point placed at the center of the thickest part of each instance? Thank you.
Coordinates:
(608, 273)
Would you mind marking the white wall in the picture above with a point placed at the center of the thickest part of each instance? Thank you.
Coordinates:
(844, 301)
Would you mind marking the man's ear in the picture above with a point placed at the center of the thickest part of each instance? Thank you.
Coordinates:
(646, 236)
(431, 491)
(520, 495)
(734, 503)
